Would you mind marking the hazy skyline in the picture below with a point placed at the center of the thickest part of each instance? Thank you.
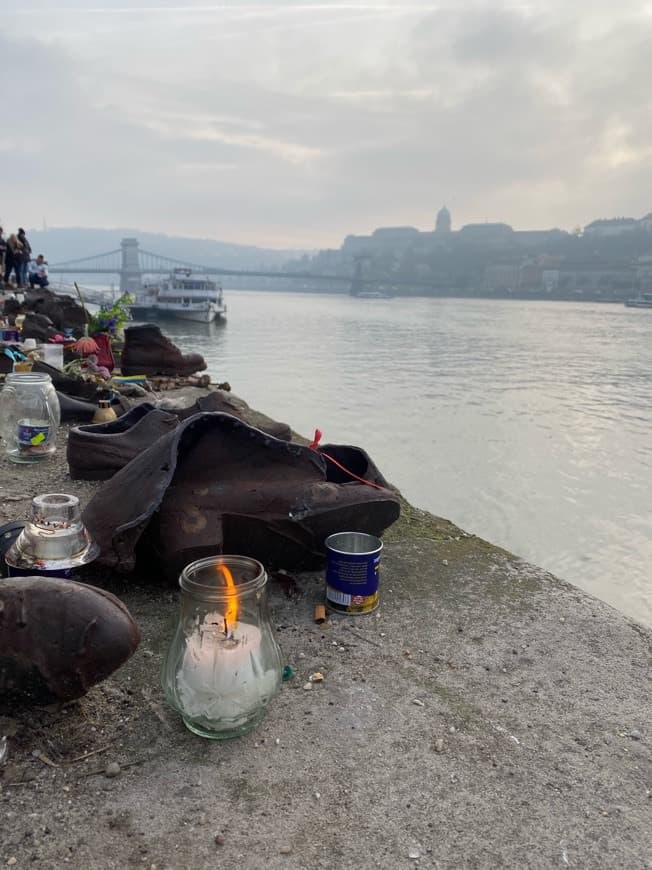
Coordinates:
(291, 124)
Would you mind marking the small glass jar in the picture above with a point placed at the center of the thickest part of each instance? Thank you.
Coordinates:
(29, 416)
(223, 666)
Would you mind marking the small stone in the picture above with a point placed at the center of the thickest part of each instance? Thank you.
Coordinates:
(439, 744)
(285, 850)
(219, 840)
(452, 729)
(11, 861)
(307, 686)
(418, 702)
(635, 734)
(317, 795)
(112, 769)
(444, 562)
(278, 741)
(317, 677)
(414, 854)
(562, 619)
(341, 649)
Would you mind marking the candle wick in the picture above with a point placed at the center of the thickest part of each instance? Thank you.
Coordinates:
(226, 628)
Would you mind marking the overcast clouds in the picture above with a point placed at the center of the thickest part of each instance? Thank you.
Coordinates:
(292, 124)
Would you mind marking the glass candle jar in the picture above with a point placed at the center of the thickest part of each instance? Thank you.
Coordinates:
(223, 666)
(29, 416)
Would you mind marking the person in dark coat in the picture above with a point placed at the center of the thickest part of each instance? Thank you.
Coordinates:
(26, 256)
(3, 251)
(13, 256)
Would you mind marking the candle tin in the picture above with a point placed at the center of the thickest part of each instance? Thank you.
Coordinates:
(352, 572)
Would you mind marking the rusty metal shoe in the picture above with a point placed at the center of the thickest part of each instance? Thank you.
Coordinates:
(148, 352)
(60, 637)
(97, 452)
(216, 485)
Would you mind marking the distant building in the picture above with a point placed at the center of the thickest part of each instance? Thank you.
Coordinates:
(394, 238)
(486, 234)
(538, 238)
(443, 222)
(612, 227)
(395, 234)
(646, 223)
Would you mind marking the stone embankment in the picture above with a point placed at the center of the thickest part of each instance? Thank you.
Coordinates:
(487, 715)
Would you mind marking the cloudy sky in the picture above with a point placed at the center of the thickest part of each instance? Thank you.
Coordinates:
(291, 124)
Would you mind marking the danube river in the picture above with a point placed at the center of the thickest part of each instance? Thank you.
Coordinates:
(526, 423)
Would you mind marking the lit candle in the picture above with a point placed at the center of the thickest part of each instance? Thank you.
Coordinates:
(221, 674)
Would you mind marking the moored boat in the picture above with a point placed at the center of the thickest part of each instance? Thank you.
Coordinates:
(183, 295)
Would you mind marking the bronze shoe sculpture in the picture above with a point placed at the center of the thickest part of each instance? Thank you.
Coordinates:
(148, 352)
(58, 638)
(97, 451)
(215, 485)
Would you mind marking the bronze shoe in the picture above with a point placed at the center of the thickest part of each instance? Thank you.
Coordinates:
(148, 352)
(59, 637)
(97, 452)
(215, 485)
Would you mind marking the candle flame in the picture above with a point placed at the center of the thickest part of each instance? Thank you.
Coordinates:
(231, 612)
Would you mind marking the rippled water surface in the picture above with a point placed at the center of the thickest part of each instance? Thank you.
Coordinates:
(527, 423)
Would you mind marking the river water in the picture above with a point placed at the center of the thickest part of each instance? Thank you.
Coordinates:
(526, 423)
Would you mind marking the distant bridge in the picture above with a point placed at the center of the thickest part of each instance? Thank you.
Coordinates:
(131, 262)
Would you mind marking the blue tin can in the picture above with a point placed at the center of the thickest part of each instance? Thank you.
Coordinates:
(30, 435)
(352, 572)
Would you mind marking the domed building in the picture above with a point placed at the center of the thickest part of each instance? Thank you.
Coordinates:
(443, 221)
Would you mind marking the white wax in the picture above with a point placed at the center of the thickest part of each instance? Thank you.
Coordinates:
(222, 677)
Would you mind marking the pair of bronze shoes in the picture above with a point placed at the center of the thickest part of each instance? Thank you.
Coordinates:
(97, 452)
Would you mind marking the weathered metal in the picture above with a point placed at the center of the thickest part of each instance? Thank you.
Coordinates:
(59, 637)
(215, 485)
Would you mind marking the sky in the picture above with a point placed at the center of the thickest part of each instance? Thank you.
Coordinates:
(293, 124)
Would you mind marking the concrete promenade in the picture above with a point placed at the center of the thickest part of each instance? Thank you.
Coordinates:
(488, 715)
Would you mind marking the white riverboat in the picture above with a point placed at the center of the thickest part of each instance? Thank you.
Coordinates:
(184, 295)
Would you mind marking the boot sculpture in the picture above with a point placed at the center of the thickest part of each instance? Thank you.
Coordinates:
(58, 638)
(215, 485)
(148, 352)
